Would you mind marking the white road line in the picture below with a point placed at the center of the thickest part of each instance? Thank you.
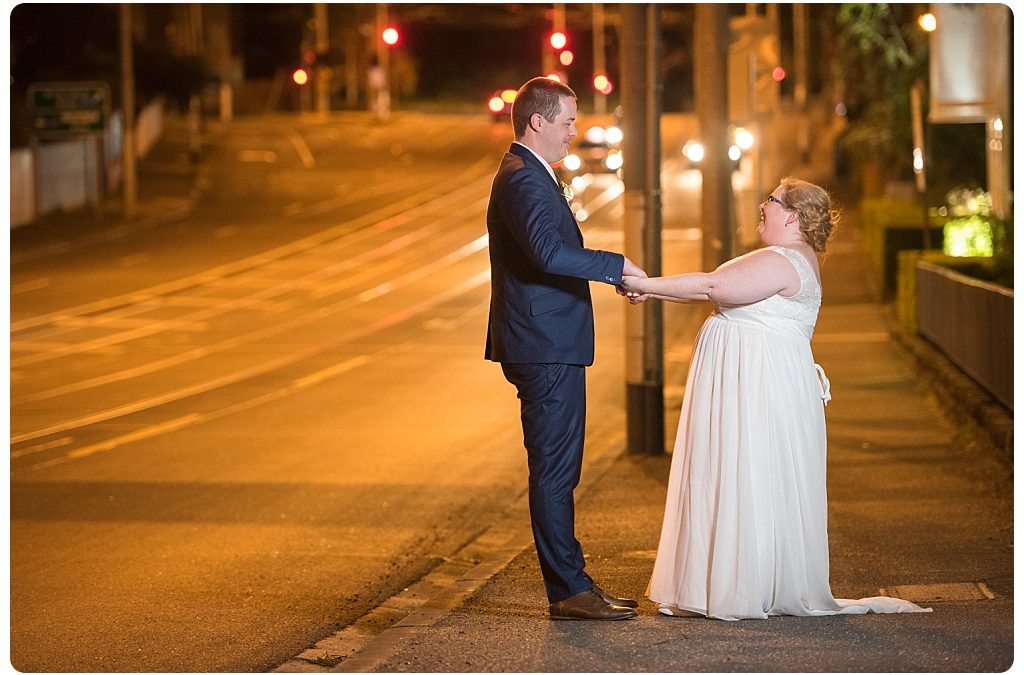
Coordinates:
(305, 154)
(307, 381)
(212, 278)
(27, 286)
(42, 447)
(313, 283)
(265, 367)
(466, 182)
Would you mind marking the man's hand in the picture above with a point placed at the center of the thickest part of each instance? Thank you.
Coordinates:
(630, 269)
(632, 288)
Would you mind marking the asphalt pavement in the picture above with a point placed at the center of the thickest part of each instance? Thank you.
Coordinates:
(920, 507)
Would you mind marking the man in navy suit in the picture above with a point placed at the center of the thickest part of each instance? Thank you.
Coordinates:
(541, 330)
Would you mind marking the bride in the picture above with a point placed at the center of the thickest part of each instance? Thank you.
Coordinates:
(745, 531)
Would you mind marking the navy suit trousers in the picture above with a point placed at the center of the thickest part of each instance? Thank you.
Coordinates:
(553, 404)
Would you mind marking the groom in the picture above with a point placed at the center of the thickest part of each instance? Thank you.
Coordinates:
(541, 330)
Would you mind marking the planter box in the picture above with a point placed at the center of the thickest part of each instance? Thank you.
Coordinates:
(890, 226)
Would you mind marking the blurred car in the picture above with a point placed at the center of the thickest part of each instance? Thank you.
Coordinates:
(499, 105)
(597, 151)
(742, 142)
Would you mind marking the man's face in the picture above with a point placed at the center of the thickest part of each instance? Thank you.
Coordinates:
(554, 137)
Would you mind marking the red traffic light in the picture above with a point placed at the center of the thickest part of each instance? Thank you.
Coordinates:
(558, 40)
(390, 36)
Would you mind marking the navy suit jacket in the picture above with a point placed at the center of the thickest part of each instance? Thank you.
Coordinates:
(541, 311)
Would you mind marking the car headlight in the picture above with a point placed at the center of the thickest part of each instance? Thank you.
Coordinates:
(572, 162)
(743, 138)
(595, 135)
(694, 151)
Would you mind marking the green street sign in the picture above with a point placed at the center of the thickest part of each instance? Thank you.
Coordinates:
(68, 109)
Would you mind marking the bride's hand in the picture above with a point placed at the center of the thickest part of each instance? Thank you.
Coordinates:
(629, 287)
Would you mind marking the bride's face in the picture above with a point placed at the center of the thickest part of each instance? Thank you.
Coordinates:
(774, 218)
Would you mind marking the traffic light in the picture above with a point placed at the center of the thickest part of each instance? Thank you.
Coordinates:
(390, 36)
(602, 84)
(555, 55)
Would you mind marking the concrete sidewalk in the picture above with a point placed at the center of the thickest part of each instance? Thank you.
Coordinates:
(917, 509)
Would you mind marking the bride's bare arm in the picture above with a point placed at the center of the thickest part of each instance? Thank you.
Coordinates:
(744, 280)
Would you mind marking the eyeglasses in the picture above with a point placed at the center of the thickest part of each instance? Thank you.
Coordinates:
(773, 198)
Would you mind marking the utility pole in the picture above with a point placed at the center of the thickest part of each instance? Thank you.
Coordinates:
(548, 63)
(800, 48)
(381, 77)
(711, 51)
(597, 23)
(130, 186)
(641, 173)
(321, 45)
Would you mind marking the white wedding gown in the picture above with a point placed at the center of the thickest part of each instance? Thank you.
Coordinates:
(745, 530)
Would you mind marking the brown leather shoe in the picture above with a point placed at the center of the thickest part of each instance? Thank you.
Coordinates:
(612, 600)
(588, 606)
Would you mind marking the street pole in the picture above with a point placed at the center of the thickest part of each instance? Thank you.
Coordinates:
(800, 48)
(558, 21)
(641, 174)
(548, 64)
(597, 25)
(130, 187)
(711, 45)
(383, 84)
(919, 158)
(321, 45)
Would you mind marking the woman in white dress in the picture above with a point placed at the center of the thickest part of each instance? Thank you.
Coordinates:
(745, 528)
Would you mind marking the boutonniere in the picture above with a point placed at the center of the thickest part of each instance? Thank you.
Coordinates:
(566, 191)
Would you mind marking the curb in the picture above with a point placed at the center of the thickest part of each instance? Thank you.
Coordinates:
(363, 646)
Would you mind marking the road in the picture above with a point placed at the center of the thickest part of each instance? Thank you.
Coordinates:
(237, 428)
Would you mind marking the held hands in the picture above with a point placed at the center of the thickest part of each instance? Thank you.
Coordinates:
(631, 274)
(630, 288)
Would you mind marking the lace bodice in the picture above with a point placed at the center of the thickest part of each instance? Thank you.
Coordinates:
(802, 307)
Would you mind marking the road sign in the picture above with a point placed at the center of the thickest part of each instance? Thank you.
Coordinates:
(68, 109)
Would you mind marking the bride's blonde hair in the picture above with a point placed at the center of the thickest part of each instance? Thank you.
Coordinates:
(813, 206)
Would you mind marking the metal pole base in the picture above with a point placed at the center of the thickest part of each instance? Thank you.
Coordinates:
(645, 419)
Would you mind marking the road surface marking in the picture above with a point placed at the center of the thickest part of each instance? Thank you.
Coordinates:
(305, 154)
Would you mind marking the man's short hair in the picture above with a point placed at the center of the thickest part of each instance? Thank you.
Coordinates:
(541, 95)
